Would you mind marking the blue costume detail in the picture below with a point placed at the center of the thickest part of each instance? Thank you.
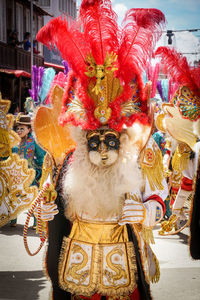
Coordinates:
(31, 151)
(160, 141)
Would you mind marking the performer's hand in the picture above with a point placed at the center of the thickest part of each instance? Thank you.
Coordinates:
(133, 212)
(48, 211)
(148, 213)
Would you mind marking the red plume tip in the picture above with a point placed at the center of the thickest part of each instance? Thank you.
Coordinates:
(87, 3)
(177, 67)
(146, 17)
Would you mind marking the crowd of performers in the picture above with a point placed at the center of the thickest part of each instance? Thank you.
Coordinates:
(106, 162)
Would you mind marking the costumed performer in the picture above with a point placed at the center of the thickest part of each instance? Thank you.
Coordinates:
(28, 149)
(111, 188)
(15, 177)
(183, 118)
(160, 137)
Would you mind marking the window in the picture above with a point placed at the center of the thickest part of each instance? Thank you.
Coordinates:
(3, 20)
(10, 18)
(44, 3)
(28, 20)
(68, 7)
(61, 5)
(19, 18)
(35, 25)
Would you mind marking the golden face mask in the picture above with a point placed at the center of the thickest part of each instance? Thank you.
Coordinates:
(103, 146)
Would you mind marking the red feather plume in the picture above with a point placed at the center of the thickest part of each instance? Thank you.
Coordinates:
(177, 67)
(100, 27)
(69, 41)
(141, 30)
(101, 34)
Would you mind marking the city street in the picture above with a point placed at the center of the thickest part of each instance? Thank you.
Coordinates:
(22, 277)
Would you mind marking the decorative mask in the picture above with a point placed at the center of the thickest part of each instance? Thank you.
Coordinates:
(103, 147)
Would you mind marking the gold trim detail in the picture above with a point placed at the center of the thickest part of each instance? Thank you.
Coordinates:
(108, 268)
(8, 138)
(159, 122)
(181, 157)
(154, 267)
(16, 194)
(147, 235)
(103, 87)
(98, 232)
(132, 105)
(152, 166)
(149, 261)
(4, 104)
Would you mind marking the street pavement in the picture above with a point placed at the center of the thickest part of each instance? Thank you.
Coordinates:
(22, 276)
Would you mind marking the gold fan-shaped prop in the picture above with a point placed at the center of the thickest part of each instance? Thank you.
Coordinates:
(50, 135)
(179, 128)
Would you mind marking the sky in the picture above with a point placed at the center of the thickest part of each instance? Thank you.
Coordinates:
(179, 14)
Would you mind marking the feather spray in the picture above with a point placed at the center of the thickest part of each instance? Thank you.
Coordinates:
(159, 88)
(100, 28)
(69, 40)
(165, 89)
(59, 79)
(37, 78)
(154, 80)
(141, 30)
(66, 67)
(177, 67)
(49, 74)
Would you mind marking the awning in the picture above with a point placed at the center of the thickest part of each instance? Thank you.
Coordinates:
(17, 73)
(50, 65)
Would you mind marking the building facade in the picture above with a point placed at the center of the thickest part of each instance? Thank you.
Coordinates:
(15, 61)
(67, 8)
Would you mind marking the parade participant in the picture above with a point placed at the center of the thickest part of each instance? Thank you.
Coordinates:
(108, 201)
(29, 150)
(180, 123)
(195, 213)
(159, 137)
(15, 177)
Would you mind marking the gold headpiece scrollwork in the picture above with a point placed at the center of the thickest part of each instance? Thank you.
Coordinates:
(105, 88)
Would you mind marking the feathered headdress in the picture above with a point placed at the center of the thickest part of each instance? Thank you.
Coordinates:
(187, 96)
(105, 84)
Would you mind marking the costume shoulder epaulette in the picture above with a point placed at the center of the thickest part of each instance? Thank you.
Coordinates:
(151, 162)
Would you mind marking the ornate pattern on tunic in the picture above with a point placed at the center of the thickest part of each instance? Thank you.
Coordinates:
(105, 265)
(16, 194)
